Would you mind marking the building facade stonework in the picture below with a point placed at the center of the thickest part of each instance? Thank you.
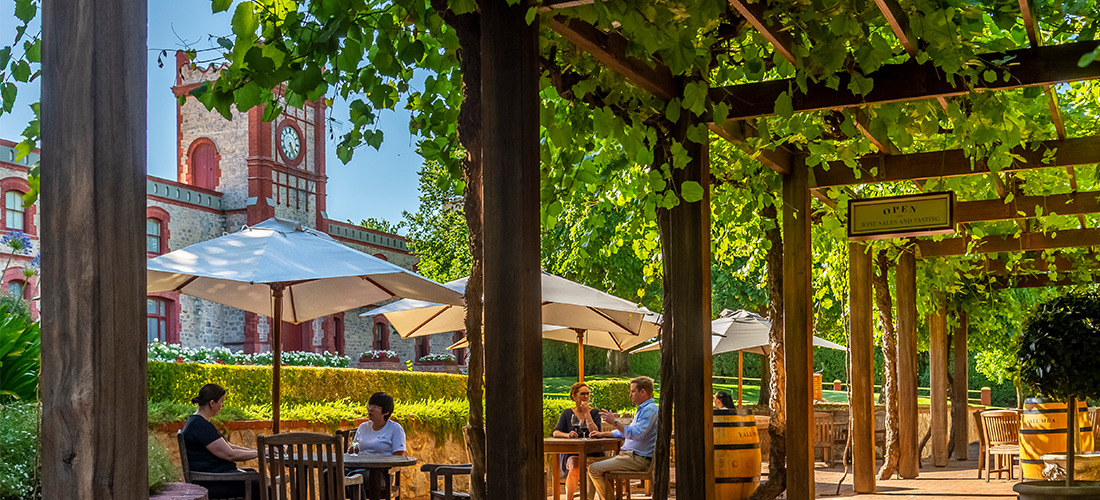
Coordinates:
(232, 173)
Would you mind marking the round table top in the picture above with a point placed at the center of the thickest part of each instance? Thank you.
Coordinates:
(368, 460)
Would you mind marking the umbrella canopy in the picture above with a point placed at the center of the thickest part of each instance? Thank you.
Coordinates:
(742, 331)
(321, 275)
(279, 265)
(582, 314)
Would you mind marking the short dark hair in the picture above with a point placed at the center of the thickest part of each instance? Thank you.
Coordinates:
(383, 401)
(725, 398)
(208, 393)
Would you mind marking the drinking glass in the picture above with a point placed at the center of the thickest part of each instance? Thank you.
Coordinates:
(576, 423)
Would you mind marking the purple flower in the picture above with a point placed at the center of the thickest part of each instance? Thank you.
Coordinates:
(37, 262)
(19, 242)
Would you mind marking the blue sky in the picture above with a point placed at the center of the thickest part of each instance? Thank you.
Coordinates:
(388, 175)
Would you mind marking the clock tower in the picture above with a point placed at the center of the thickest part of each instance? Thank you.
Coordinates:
(263, 169)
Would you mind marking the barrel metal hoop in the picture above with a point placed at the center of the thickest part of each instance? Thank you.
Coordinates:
(735, 424)
(730, 480)
(1052, 431)
(743, 446)
(1052, 410)
(1029, 461)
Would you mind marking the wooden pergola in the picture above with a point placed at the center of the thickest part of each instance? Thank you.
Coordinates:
(93, 122)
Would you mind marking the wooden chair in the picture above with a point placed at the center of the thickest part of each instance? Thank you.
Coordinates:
(190, 476)
(347, 436)
(823, 436)
(303, 466)
(448, 472)
(1001, 432)
(620, 480)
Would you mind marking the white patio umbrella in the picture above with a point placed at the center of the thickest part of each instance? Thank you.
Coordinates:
(582, 314)
(278, 265)
(742, 331)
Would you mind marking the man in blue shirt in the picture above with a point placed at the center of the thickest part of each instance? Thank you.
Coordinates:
(636, 453)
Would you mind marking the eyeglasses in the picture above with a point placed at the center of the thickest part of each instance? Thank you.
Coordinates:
(583, 393)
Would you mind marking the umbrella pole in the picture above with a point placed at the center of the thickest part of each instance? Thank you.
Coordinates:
(580, 355)
(740, 362)
(276, 349)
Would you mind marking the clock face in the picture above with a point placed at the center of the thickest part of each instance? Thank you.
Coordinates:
(288, 140)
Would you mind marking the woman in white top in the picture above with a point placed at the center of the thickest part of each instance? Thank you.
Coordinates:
(379, 435)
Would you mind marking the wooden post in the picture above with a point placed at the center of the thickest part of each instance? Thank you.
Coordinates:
(93, 383)
(740, 373)
(863, 391)
(513, 338)
(689, 247)
(960, 419)
(937, 353)
(276, 354)
(798, 332)
(906, 287)
(580, 355)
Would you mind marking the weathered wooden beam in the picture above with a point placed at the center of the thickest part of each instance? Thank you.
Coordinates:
(899, 24)
(513, 291)
(1027, 207)
(689, 285)
(1029, 23)
(862, 416)
(736, 132)
(960, 418)
(1011, 243)
(780, 39)
(93, 376)
(610, 50)
(1033, 281)
(797, 331)
(1060, 264)
(548, 5)
(910, 81)
(905, 282)
(954, 163)
(937, 353)
(883, 144)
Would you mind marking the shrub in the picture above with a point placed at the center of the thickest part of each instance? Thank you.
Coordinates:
(551, 411)
(20, 477)
(646, 363)
(611, 395)
(251, 385)
(20, 351)
(221, 355)
(559, 359)
(161, 468)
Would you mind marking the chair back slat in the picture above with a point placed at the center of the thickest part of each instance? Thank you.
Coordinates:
(301, 466)
(184, 463)
(823, 428)
(1001, 427)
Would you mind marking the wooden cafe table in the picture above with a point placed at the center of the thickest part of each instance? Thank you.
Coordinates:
(581, 447)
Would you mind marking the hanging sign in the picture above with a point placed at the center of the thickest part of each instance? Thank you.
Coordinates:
(901, 216)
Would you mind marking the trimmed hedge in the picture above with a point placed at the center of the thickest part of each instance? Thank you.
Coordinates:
(611, 395)
(251, 385)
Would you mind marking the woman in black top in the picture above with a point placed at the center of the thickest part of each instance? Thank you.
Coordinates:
(588, 421)
(208, 451)
(723, 400)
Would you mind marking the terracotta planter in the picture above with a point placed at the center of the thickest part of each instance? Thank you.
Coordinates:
(1057, 490)
(391, 364)
(180, 491)
(448, 366)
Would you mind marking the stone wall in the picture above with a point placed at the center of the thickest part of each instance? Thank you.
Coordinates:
(420, 443)
(230, 138)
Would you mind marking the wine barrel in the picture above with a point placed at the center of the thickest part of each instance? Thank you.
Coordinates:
(736, 454)
(1043, 430)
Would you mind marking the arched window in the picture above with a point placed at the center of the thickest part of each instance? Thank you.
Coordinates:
(153, 236)
(381, 336)
(204, 166)
(15, 288)
(423, 347)
(14, 210)
(156, 312)
(460, 354)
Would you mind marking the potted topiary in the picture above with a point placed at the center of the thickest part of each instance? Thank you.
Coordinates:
(1057, 355)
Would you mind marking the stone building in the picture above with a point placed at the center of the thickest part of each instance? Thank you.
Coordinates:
(232, 173)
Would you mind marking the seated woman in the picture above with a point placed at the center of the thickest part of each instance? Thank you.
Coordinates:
(379, 435)
(208, 451)
(723, 400)
(588, 420)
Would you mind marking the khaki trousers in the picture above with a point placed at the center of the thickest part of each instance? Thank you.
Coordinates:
(624, 461)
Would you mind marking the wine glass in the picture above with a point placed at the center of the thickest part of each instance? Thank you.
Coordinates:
(576, 423)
